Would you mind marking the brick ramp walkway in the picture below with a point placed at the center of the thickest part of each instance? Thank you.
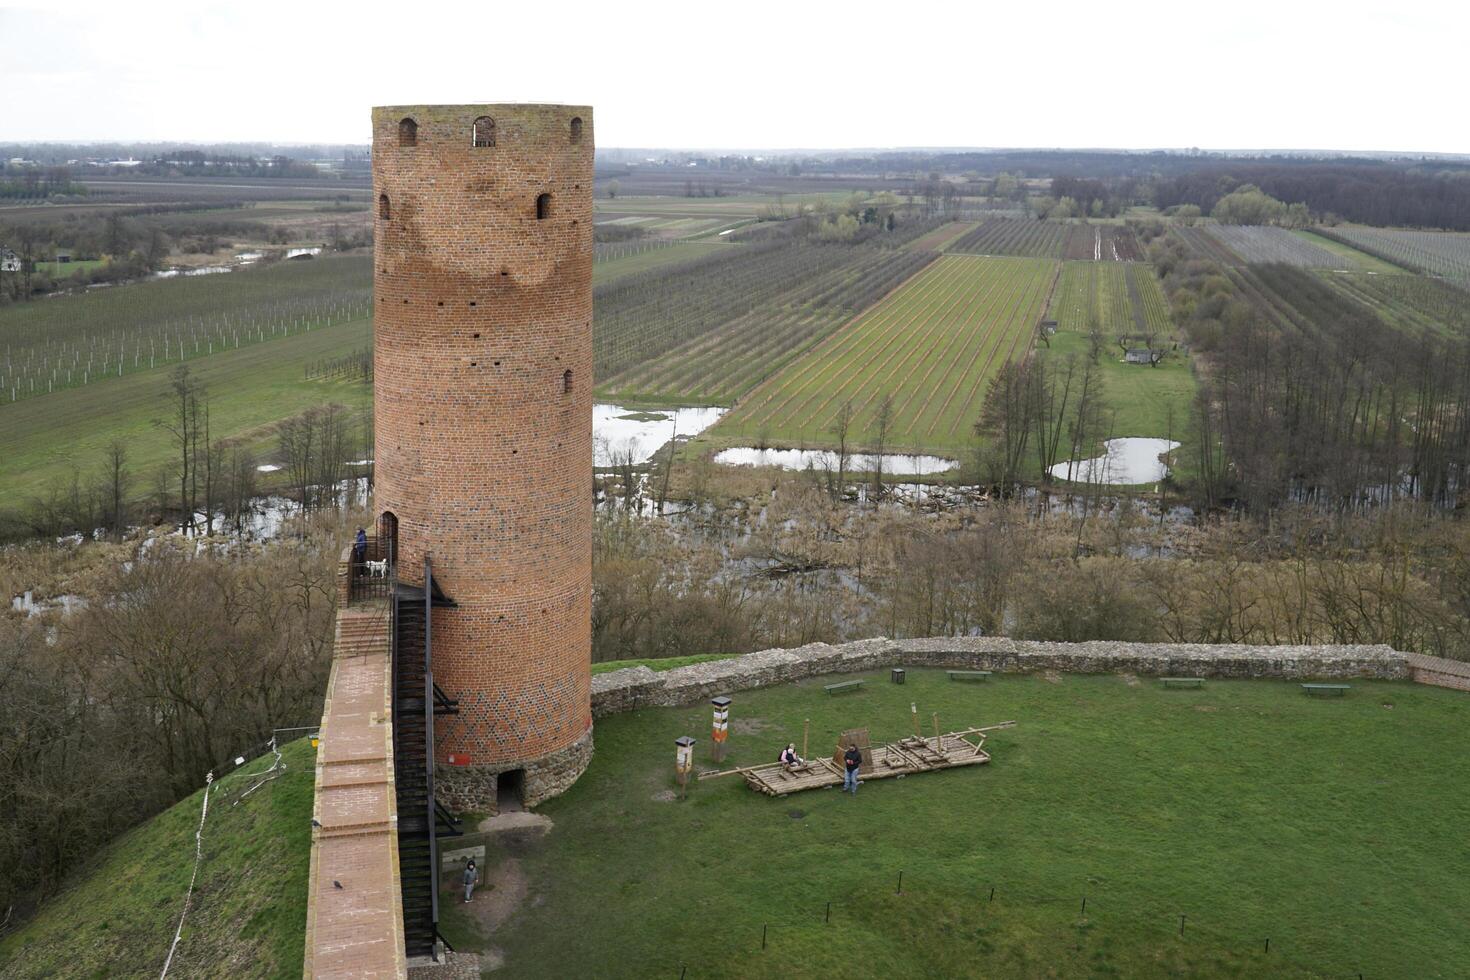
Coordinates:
(356, 930)
(1440, 672)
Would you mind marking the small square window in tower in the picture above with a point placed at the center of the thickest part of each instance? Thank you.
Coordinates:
(543, 207)
(484, 132)
(576, 133)
(408, 132)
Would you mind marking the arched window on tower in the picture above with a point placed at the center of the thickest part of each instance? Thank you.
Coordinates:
(385, 210)
(566, 382)
(543, 207)
(577, 129)
(484, 132)
(408, 132)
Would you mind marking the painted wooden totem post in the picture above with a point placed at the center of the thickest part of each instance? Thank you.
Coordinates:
(721, 729)
(683, 762)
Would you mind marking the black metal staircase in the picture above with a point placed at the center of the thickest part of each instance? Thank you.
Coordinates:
(421, 819)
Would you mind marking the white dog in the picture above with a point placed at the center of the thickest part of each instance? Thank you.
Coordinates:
(377, 569)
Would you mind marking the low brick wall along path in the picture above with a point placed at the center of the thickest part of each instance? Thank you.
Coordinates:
(356, 930)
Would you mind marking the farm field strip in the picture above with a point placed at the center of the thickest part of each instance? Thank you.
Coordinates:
(1005, 236)
(942, 236)
(739, 357)
(954, 322)
(1020, 327)
(717, 366)
(887, 328)
(1258, 244)
(1440, 253)
(1410, 301)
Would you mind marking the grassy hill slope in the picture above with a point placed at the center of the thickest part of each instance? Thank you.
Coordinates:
(248, 917)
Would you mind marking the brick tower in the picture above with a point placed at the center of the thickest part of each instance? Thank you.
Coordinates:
(483, 388)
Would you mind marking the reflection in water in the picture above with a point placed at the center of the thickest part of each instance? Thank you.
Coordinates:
(619, 433)
(799, 459)
(1124, 461)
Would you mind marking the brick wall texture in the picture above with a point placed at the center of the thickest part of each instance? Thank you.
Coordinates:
(483, 387)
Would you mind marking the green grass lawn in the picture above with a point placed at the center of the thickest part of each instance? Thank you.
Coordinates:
(42, 438)
(248, 916)
(1333, 827)
(1139, 398)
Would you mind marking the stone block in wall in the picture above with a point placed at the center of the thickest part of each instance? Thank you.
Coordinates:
(623, 690)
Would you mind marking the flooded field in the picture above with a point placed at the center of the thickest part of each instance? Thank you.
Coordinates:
(1124, 462)
(899, 464)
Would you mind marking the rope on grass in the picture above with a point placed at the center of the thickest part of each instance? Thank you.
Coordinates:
(189, 895)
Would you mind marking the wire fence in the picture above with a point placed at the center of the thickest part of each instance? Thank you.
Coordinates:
(259, 779)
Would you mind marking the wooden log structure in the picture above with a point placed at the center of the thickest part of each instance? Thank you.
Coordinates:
(912, 754)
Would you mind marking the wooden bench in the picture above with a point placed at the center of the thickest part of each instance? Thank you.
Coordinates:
(844, 686)
(1183, 681)
(1327, 690)
(968, 675)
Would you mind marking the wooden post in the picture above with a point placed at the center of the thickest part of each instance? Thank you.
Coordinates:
(806, 730)
(937, 745)
(721, 727)
(683, 762)
(914, 710)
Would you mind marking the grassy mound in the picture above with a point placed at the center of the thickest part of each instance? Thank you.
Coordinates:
(248, 916)
(1247, 807)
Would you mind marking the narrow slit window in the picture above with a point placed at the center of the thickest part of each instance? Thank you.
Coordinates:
(385, 210)
(577, 129)
(543, 207)
(484, 132)
(566, 382)
(408, 132)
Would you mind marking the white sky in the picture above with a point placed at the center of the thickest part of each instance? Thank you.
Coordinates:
(753, 73)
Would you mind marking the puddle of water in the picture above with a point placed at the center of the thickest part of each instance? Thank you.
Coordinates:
(267, 468)
(618, 432)
(298, 252)
(899, 464)
(1125, 461)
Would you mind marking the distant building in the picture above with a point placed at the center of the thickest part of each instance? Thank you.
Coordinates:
(1138, 355)
(9, 261)
(1049, 327)
(63, 255)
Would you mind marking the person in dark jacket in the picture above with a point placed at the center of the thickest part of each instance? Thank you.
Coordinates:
(852, 759)
(359, 547)
(471, 877)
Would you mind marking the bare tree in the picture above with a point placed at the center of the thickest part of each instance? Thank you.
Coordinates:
(882, 424)
(839, 430)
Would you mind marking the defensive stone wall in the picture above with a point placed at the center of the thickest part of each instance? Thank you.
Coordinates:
(633, 687)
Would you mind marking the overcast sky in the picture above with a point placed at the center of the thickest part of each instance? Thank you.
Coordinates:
(752, 73)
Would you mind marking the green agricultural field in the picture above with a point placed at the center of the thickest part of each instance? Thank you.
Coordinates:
(1355, 259)
(75, 341)
(758, 335)
(248, 916)
(933, 345)
(1251, 810)
(631, 260)
(43, 438)
(1124, 300)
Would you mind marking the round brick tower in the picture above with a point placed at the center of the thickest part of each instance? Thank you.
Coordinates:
(483, 388)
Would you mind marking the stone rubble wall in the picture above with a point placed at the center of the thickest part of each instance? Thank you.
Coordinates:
(635, 687)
